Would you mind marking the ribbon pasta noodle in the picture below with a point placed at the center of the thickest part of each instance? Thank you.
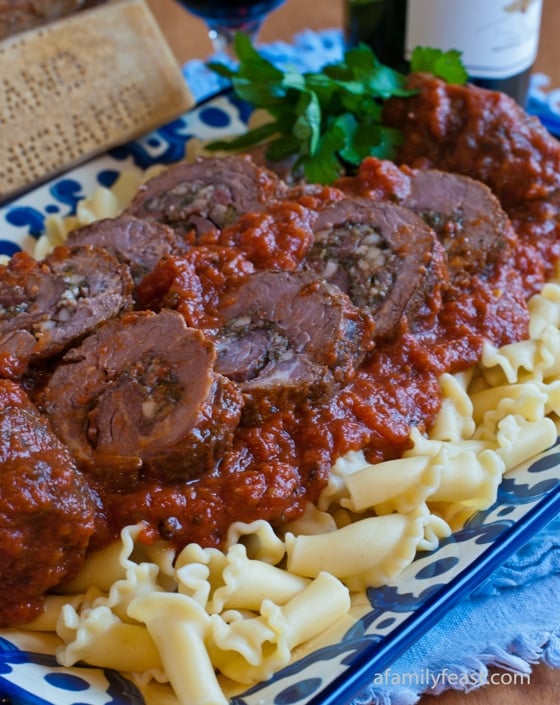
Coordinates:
(205, 620)
(368, 552)
(182, 635)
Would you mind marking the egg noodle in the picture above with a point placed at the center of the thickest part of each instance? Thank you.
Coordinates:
(210, 623)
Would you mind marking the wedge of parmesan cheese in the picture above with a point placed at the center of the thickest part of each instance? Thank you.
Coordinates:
(78, 86)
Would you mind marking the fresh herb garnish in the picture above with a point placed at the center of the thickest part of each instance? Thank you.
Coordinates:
(331, 120)
(444, 64)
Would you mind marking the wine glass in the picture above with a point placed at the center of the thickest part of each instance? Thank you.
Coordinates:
(226, 17)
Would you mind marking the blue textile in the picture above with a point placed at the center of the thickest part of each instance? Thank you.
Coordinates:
(512, 620)
(545, 104)
(308, 52)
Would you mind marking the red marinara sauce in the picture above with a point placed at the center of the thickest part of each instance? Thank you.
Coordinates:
(46, 508)
(273, 469)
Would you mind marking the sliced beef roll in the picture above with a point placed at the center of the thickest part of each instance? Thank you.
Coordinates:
(486, 135)
(139, 244)
(47, 510)
(289, 336)
(382, 255)
(467, 217)
(140, 398)
(202, 197)
(45, 306)
(480, 133)
(28, 294)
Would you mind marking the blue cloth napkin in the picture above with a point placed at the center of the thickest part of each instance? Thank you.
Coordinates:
(308, 52)
(512, 620)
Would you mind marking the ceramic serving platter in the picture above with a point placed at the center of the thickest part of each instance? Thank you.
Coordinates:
(391, 618)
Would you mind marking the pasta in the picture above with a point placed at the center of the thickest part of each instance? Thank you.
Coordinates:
(179, 627)
(248, 582)
(226, 611)
(368, 552)
(98, 636)
(397, 485)
(278, 630)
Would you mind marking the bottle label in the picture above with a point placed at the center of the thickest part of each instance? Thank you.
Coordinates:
(497, 38)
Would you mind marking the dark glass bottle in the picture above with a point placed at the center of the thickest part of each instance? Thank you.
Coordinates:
(381, 24)
(498, 38)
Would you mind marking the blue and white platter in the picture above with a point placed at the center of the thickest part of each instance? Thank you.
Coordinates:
(393, 617)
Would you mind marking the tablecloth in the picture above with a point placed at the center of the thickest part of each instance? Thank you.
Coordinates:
(512, 620)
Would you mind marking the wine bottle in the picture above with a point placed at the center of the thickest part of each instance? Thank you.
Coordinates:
(498, 39)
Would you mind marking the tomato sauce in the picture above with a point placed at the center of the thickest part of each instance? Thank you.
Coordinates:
(274, 468)
(275, 239)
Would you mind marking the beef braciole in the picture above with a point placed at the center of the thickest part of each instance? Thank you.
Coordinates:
(487, 267)
(200, 198)
(46, 306)
(382, 255)
(290, 336)
(140, 398)
(468, 219)
(47, 509)
(139, 244)
(488, 136)
(466, 216)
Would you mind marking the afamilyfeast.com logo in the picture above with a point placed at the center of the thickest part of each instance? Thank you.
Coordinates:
(445, 678)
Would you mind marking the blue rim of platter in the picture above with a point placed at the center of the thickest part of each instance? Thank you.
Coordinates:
(397, 614)
(506, 539)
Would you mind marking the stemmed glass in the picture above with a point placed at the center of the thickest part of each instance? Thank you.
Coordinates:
(226, 17)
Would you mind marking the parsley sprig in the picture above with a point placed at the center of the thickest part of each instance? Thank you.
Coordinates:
(329, 120)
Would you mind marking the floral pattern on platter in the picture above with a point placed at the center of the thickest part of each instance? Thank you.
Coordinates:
(391, 617)
(36, 679)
